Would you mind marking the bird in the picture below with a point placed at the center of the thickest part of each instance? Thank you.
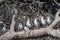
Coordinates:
(26, 28)
(36, 22)
(20, 26)
(28, 23)
(43, 21)
(48, 19)
(4, 28)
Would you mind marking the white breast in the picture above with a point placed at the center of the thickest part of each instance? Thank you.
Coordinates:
(43, 21)
(4, 28)
(48, 20)
(20, 26)
(26, 28)
(28, 23)
(36, 22)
